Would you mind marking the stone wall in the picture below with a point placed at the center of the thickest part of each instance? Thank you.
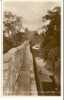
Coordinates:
(18, 72)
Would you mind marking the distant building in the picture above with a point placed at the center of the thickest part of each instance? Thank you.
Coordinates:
(22, 30)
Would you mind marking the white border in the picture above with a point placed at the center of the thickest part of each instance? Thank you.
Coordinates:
(1, 48)
(1, 59)
(33, 0)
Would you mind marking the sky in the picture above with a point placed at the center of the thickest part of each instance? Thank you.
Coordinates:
(31, 12)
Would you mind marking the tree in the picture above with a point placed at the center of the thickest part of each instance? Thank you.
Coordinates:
(51, 45)
(52, 34)
(12, 23)
(11, 30)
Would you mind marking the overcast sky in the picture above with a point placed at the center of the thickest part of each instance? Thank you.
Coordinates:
(31, 12)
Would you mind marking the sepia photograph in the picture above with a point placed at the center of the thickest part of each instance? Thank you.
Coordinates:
(31, 48)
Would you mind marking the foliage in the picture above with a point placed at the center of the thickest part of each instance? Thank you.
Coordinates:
(52, 34)
(12, 23)
(11, 32)
(51, 45)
